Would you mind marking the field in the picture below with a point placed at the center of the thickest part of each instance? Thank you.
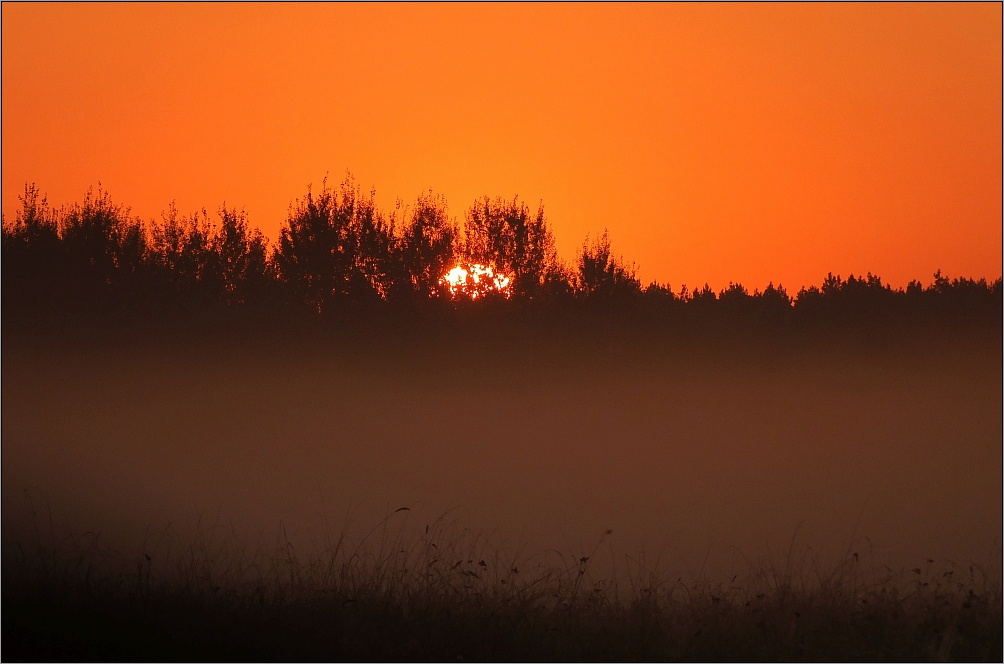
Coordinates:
(208, 493)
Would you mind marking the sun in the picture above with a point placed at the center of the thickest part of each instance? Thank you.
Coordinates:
(473, 280)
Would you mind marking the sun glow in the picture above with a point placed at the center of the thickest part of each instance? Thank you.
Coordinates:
(474, 280)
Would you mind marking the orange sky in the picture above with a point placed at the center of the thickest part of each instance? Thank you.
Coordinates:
(716, 142)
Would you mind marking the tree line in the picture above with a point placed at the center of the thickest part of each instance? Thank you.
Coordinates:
(336, 248)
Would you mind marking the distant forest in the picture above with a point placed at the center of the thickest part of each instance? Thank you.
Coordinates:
(337, 251)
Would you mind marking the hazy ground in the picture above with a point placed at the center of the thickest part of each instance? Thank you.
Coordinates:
(683, 450)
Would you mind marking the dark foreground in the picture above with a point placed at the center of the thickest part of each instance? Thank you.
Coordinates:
(794, 630)
(879, 433)
(416, 603)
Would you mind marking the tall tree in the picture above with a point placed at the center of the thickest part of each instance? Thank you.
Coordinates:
(105, 249)
(32, 253)
(334, 245)
(183, 253)
(507, 237)
(244, 269)
(426, 248)
(602, 274)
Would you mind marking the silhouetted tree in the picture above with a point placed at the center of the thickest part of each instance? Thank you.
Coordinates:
(425, 249)
(334, 245)
(105, 250)
(559, 282)
(659, 300)
(182, 253)
(507, 237)
(703, 297)
(337, 246)
(32, 253)
(773, 299)
(963, 291)
(856, 297)
(243, 260)
(734, 294)
(601, 274)
(774, 294)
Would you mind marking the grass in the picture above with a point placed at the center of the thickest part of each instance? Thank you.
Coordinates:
(450, 594)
